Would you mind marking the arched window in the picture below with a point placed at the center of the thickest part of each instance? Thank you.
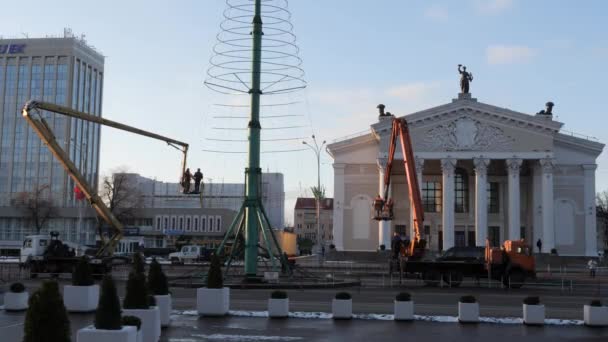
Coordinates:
(461, 189)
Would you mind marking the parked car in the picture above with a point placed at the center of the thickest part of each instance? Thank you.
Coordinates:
(191, 253)
(476, 254)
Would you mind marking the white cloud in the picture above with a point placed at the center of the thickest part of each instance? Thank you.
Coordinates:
(492, 6)
(436, 12)
(509, 54)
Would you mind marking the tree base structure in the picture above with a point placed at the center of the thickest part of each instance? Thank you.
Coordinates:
(251, 249)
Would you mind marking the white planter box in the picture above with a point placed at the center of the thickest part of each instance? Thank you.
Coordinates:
(80, 298)
(534, 314)
(342, 308)
(150, 322)
(212, 302)
(404, 311)
(16, 301)
(596, 316)
(90, 334)
(165, 306)
(278, 308)
(468, 312)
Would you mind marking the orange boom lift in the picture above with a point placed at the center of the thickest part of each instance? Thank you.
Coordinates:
(400, 130)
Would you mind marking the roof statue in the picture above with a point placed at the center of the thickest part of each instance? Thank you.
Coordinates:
(549, 109)
(465, 78)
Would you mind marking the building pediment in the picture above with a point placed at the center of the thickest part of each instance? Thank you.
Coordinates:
(467, 125)
(465, 133)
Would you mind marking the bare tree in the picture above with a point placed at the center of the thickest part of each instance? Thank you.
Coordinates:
(37, 205)
(602, 216)
(121, 195)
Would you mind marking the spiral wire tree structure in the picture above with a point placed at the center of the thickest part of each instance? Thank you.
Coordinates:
(282, 76)
(255, 55)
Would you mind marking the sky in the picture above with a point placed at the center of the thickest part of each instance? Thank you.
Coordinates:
(356, 54)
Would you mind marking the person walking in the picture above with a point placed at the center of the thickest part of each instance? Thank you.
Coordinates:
(539, 244)
(592, 264)
(186, 181)
(396, 245)
(198, 177)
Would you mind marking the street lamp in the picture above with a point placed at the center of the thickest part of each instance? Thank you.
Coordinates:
(317, 150)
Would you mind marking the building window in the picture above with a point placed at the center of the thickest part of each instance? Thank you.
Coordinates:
(400, 229)
(461, 195)
(431, 196)
(218, 223)
(188, 227)
(166, 223)
(158, 223)
(203, 223)
(211, 226)
(494, 236)
(195, 224)
(181, 223)
(173, 222)
(493, 197)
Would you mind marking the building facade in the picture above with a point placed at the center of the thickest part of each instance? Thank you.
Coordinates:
(163, 214)
(64, 71)
(305, 219)
(223, 196)
(484, 172)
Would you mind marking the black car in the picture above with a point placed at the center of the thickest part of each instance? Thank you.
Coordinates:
(463, 254)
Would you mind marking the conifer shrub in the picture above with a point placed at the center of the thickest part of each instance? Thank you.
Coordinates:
(278, 294)
(131, 321)
(343, 296)
(403, 297)
(83, 274)
(108, 311)
(468, 299)
(137, 292)
(139, 265)
(532, 300)
(46, 318)
(214, 277)
(157, 280)
(17, 288)
(595, 302)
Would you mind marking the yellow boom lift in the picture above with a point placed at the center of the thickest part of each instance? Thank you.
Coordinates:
(39, 125)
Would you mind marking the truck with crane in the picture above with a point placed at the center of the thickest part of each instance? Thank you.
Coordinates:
(512, 263)
(48, 254)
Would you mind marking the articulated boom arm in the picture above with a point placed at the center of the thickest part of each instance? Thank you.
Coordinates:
(401, 130)
(43, 130)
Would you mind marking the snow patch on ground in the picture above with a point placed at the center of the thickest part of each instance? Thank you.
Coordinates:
(388, 317)
(226, 337)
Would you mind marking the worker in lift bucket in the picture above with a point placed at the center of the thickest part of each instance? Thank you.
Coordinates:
(198, 177)
(186, 181)
(378, 205)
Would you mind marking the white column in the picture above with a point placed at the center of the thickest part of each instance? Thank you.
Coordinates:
(447, 169)
(513, 166)
(548, 239)
(338, 221)
(537, 194)
(590, 214)
(419, 163)
(481, 200)
(384, 227)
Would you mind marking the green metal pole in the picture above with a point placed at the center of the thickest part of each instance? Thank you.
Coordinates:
(254, 172)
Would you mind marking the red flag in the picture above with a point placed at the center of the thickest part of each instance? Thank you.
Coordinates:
(79, 194)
